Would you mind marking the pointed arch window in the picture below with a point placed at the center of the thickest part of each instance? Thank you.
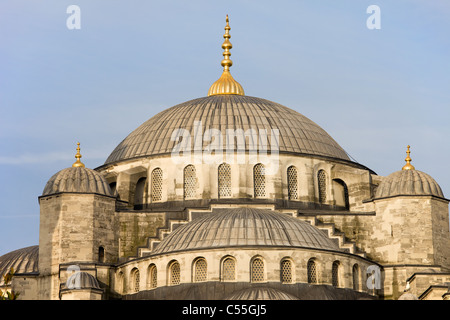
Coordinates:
(322, 182)
(136, 280)
(174, 273)
(356, 275)
(312, 271)
(229, 269)
(153, 276)
(190, 182)
(224, 180)
(156, 192)
(292, 183)
(200, 270)
(259, 180)
(335, 274)
(286, 271)
(257, 270)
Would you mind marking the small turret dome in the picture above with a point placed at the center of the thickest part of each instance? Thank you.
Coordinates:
(408, 182)
(78, 179)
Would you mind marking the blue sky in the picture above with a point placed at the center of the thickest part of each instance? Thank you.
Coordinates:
(374, 91)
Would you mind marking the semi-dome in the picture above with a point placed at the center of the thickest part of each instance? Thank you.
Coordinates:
(81, 280)
(261, 293)
(23, 260)
(408, 182)
(245, 227)
(77, 180)
(297, 133)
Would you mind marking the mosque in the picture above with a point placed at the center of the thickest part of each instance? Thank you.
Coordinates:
(233, 197)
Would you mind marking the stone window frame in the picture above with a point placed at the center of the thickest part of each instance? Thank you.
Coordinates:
(336, 274)
(199, 270)
(224, 180)
(174, 273)
(292, 182)
(224, 270)
(259, 180)
(257, 270)
(156, 184)
(135, 280)
(289, 271)
(152, 276)
(312, 269)
(356, 277)
(322, 185)
(189, 182)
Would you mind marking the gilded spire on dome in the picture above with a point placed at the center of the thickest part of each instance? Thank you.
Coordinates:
(78, 163)
(408, 165)
(226, 84)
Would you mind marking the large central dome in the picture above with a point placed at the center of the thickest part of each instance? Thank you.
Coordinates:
(297, 133)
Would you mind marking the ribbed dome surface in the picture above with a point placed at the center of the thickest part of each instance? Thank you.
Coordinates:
(79, 180)
(245, 227)
(81, 280)
(408, 182)
(261, 293)
(296, 132)
(23, 260)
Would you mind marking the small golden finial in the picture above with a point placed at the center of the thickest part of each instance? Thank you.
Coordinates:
(226, 84)
(78, 163)
(408, 165)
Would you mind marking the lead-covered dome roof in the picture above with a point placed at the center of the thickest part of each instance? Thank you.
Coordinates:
(408, 182)
(244, 227)
(77, 180)
(297, 133)
(23, 260)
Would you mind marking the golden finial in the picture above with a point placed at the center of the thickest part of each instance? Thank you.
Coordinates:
(408, 165)
(78, 163)
(226, 84)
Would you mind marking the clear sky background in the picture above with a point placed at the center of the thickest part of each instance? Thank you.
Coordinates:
(373, 91)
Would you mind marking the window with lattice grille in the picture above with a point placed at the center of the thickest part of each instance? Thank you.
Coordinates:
(137, 280)
(292, 183)
(153, 277)
(174, 273)
(200, 270)
(335, 274)
(190, 182)
(355, 272)
(224, 183)
(229, 269)
(259, 180)
(322, 181)
(157, 184)
(312, 271)
(286, 271)
(257, 271)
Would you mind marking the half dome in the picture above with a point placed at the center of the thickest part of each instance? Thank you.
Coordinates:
(408, 182)
(297, 133)
(78, 180)
(245, 227)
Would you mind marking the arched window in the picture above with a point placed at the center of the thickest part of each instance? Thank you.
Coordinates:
(113, 187)
(257, 270)
(120, 282)
(286, 271)
(229, 269)
(356, 275)
(139, 197)
(335, 274)
(200, 270)
(322, 182)
(136, 278)
(259, 180)
(152, 276)
(156, 185)
(101, 254)
(341, 193)
(312, 271)
(224, 180)
(190, 182)
(174, 273)
(292, 183)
